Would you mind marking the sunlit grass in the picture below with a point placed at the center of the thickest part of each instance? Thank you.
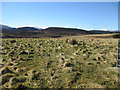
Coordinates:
(68, 62)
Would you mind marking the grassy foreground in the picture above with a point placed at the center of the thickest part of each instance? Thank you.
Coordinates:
(69, 62)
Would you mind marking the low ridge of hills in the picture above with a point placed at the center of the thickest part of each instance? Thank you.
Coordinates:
(32, 32)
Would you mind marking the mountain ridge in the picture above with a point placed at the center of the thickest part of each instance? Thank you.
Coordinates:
(32, 32)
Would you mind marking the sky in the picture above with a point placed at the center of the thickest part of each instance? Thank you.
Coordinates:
(83, 15)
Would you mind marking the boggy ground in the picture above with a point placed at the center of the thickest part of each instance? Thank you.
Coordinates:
(69, 62)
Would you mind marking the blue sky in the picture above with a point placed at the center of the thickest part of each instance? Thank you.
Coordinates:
(85, 15)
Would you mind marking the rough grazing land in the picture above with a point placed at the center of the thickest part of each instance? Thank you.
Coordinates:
(69, 62)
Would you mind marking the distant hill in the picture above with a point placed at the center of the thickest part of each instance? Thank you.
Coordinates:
(5, 27)
(99, 32)
(54, 32)
(61, 31)
(27, 28)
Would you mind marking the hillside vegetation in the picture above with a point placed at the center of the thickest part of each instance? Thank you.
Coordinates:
(67, 62)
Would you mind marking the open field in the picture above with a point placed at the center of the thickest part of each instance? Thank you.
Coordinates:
(67, 62)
